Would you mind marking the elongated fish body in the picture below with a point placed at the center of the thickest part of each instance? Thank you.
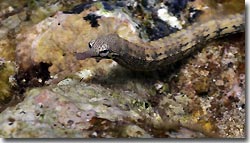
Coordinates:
(152, 55)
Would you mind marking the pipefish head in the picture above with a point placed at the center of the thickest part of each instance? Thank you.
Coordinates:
(99, 48)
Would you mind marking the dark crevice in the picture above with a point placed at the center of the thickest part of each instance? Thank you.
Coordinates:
(35, 76)
(92, 18)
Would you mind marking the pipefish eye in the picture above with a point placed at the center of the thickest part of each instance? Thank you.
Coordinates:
(104, 51)
(91, 43)
(104, 47)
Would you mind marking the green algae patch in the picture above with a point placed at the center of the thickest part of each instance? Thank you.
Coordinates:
(7, 49)
(7, 69)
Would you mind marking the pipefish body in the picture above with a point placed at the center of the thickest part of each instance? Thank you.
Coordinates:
(176, 46)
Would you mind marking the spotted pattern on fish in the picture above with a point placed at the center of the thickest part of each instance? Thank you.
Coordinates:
(167, 50)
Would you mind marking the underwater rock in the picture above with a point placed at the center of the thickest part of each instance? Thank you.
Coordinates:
(56, 39)
(72, 111)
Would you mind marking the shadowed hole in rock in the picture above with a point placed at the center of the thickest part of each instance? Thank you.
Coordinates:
(35, 76)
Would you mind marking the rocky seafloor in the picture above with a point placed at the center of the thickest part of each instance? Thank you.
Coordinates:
(46, 93)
